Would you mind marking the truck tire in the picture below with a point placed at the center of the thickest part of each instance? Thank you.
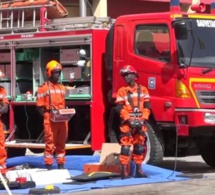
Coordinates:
(207, 151)
(15, 152)
(155, 145)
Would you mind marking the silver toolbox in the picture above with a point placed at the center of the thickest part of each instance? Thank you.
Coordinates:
(78, 91)
(72, 73)
(69, 56)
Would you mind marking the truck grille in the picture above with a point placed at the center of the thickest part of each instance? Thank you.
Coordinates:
(206, 97)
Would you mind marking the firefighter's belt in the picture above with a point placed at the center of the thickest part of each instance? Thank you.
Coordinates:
(135, 114)
(62, 115)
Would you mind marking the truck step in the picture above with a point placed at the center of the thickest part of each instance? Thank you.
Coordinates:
(69, 146)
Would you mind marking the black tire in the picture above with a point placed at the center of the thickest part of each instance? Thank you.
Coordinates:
(206, 149)
(155, 145)
(15, 152)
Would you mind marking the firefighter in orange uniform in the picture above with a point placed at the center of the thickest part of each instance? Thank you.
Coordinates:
(133, 105)
(3, 109)
(51, 96)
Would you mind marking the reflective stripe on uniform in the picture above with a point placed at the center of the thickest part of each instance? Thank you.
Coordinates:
(119, 99)
(60, 155)
(48, 155)
(40, 95)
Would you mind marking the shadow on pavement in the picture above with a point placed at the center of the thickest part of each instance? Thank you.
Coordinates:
(187, 166)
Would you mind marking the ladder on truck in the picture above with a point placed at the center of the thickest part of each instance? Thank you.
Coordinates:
(13, 20)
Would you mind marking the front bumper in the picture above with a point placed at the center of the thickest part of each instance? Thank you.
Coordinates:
(195, 117)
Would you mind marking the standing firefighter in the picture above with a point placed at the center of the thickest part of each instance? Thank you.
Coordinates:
(51, 97)
(3, 109)
(133, 104)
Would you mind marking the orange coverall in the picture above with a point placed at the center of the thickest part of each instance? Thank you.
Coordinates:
(56, 133)
(127, 138)
(3, 153)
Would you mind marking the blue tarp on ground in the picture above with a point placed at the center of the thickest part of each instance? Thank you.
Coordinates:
(75, 166)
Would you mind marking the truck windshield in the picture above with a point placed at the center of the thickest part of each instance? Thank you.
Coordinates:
(199, 48)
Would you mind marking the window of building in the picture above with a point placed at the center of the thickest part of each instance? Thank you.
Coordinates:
(153, 41)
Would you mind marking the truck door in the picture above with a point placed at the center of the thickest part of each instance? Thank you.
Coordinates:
(152, 55)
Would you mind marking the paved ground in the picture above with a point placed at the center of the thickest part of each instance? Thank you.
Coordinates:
(191, 187)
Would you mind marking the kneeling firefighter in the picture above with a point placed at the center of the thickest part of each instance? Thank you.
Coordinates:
(51, 97)
(133, 105)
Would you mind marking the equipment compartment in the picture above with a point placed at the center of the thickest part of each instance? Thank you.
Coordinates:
(69, 56)
(72, 73)
(5, 57)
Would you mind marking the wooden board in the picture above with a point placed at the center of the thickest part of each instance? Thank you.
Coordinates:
(108, 153)
(42, 145)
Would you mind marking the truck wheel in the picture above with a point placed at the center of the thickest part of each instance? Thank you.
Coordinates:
(207, 151)
(155, 145)
(15, 152)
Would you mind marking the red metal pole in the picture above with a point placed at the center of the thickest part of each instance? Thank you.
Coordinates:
(43, 19)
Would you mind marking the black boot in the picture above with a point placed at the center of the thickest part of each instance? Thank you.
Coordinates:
(124, 171)
(139, 173)
(49, 167)
(60, 166)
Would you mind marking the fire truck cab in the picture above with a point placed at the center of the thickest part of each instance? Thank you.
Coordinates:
(173, 54)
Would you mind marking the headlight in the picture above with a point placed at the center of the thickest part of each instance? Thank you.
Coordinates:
(209, 118)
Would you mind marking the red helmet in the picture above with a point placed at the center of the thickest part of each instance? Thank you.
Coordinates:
(128, 69)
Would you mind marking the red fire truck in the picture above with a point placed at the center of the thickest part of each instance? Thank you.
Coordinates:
(172, 51)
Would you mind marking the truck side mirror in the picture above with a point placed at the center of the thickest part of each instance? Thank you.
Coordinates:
(180, 27)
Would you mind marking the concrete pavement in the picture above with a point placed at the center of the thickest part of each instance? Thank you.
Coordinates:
(191, 187)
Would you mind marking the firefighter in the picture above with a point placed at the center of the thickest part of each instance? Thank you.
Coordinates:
(50, 97)
(4, 104)
(133, 105)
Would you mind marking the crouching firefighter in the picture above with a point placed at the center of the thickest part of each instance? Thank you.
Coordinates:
(51, 97)
(133, 105)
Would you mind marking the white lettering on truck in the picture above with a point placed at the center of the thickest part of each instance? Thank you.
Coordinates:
(206, 23)
(27, 35)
